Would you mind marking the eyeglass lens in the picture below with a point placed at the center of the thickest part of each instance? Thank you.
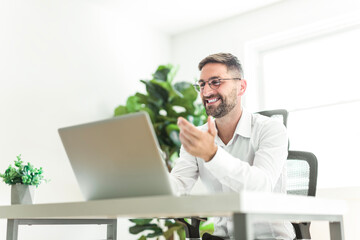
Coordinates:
(213, 84)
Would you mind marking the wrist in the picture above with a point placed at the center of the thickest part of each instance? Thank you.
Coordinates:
(211, 153)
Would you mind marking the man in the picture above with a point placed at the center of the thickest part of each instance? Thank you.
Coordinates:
(236, 151)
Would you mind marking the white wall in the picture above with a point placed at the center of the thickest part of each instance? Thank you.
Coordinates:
(236, 34)
(64, 63)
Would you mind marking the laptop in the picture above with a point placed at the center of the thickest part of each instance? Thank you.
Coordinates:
(116, 158)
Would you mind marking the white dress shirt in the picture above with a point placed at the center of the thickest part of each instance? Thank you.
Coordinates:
(254, 160)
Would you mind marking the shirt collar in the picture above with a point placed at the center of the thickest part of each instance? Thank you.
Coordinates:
(243, 127)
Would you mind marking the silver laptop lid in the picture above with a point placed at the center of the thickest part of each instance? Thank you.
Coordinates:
(116, 158)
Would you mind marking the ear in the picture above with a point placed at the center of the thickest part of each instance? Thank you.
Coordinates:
(243, 85)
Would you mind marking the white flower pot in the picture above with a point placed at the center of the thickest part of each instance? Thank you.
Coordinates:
(22, 194)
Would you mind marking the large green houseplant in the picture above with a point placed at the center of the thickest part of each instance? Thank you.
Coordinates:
(165, 101)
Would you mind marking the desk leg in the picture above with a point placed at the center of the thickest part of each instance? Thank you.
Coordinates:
(112, 230)
(12, 229)
(243, 227)
(337, 230)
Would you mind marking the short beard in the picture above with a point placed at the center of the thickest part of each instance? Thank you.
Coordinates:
(224, 107)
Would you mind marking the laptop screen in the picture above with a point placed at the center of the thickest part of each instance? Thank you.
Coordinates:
(116, 158)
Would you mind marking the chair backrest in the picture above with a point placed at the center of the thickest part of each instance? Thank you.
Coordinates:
(281, 114)
(302, 169)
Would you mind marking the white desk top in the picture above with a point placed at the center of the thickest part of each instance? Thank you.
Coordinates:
(185, 206)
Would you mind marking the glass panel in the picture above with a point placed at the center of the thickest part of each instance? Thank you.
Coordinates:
(318, 82)
(316, 72)
(332, 134)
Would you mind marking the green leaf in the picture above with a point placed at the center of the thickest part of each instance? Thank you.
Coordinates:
(156, 230)
(186, 101)
(142, 238)
(172, 92)
(156, 92)
(206, 227)
(170, 111)
(170, 222)
(132, 104)
(120, 110)
(140, 228)
(164, 88)
(140, 221)
(162, 73)
(171, 230)
(173, 133)
(172, 127)
(142, 98)
(181, 233)
(166, 73)
(187, 90)
(172, 73)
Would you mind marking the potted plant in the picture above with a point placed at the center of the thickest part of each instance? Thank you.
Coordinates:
(23, 180)
(165, 101)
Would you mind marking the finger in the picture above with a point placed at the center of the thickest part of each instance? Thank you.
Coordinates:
(186, 143)
(192, 134)
(188, 129)
(187, 139)
(211, 126)
(184, 139)
(185, 123)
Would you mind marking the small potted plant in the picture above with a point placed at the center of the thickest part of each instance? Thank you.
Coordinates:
(23, 180)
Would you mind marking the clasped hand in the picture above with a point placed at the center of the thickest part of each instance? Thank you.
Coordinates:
(196, 142)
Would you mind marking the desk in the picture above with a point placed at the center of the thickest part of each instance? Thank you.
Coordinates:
(245, 208)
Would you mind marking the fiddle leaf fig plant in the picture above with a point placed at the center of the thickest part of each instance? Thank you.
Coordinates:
(21, 173)
(165, 101)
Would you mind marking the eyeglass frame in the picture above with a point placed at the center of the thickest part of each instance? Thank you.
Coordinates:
(198, 88)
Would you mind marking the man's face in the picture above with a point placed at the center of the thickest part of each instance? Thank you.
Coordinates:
(221, 101)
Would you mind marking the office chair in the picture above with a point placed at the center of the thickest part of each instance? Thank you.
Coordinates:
(302, 168)
(281, 114)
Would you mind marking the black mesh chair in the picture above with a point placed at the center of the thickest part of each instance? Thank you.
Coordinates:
(302, 168)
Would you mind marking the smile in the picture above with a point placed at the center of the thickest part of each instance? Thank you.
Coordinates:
(213, 100)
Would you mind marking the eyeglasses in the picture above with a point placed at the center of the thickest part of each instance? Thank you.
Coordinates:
(214, 83)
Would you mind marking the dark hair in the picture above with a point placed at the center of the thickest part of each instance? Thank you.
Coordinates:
(232, 63)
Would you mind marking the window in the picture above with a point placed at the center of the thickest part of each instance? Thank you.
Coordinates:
(318, 81)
